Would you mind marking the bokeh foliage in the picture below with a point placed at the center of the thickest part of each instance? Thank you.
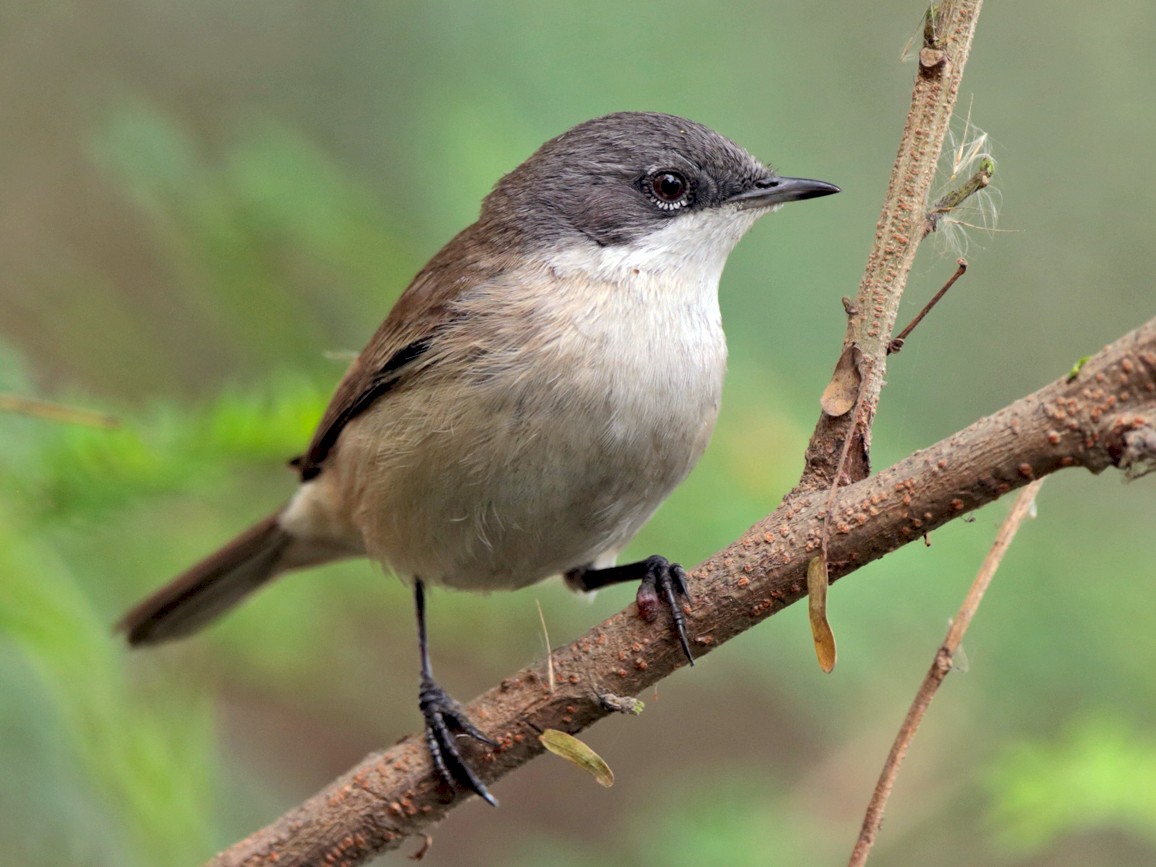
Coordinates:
(208, 205)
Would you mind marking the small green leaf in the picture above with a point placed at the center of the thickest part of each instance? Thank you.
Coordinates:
(1077, 367)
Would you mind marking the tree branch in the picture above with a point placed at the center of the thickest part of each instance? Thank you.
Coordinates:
(1103, 417)
(858, 378)
(940, 667)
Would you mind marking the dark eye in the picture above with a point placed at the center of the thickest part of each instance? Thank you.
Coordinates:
(669, 189)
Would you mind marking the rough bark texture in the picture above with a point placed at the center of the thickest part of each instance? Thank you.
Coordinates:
(1102, 418)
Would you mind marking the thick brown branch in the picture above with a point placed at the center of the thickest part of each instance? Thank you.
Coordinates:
(1095, 421)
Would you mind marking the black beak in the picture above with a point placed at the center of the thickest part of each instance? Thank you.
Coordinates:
(774, 190)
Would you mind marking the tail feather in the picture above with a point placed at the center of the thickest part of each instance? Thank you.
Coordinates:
(212, 586)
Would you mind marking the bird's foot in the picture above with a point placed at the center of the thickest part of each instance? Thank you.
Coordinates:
(444, 720)
(664, 583)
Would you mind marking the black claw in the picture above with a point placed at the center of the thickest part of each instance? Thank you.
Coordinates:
(666, 582)
(444, 720)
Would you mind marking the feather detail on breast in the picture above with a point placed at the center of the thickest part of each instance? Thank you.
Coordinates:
(564, 420)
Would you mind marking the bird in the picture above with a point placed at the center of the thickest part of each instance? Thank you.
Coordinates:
(541, 386)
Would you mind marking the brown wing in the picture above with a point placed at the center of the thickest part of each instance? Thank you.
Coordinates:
(400, 349)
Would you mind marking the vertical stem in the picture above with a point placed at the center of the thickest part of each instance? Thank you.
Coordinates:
(940, 667)
(947, 43)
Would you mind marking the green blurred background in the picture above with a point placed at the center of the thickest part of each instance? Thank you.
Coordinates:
(205, 205)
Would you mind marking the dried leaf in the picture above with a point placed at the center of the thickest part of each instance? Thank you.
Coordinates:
(576, 752)
(842, 391)
(817, 609)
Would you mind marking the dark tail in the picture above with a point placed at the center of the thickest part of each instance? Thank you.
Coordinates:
(210, 588)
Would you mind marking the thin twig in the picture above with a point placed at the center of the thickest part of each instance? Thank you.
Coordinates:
(897, 342)
(947, 38)
(49, 411)
(938, 671)
(549, 654)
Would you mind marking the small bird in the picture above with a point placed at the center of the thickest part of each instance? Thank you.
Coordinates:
(540, 388)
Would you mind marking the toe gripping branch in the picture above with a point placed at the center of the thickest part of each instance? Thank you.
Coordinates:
(444, 720)
(663, 584)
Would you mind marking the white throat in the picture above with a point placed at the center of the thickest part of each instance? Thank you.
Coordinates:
(685, 256)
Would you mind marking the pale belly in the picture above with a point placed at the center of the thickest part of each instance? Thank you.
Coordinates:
(514, 478)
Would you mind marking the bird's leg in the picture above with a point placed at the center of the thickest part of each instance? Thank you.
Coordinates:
(663, 583)
(444, 718)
